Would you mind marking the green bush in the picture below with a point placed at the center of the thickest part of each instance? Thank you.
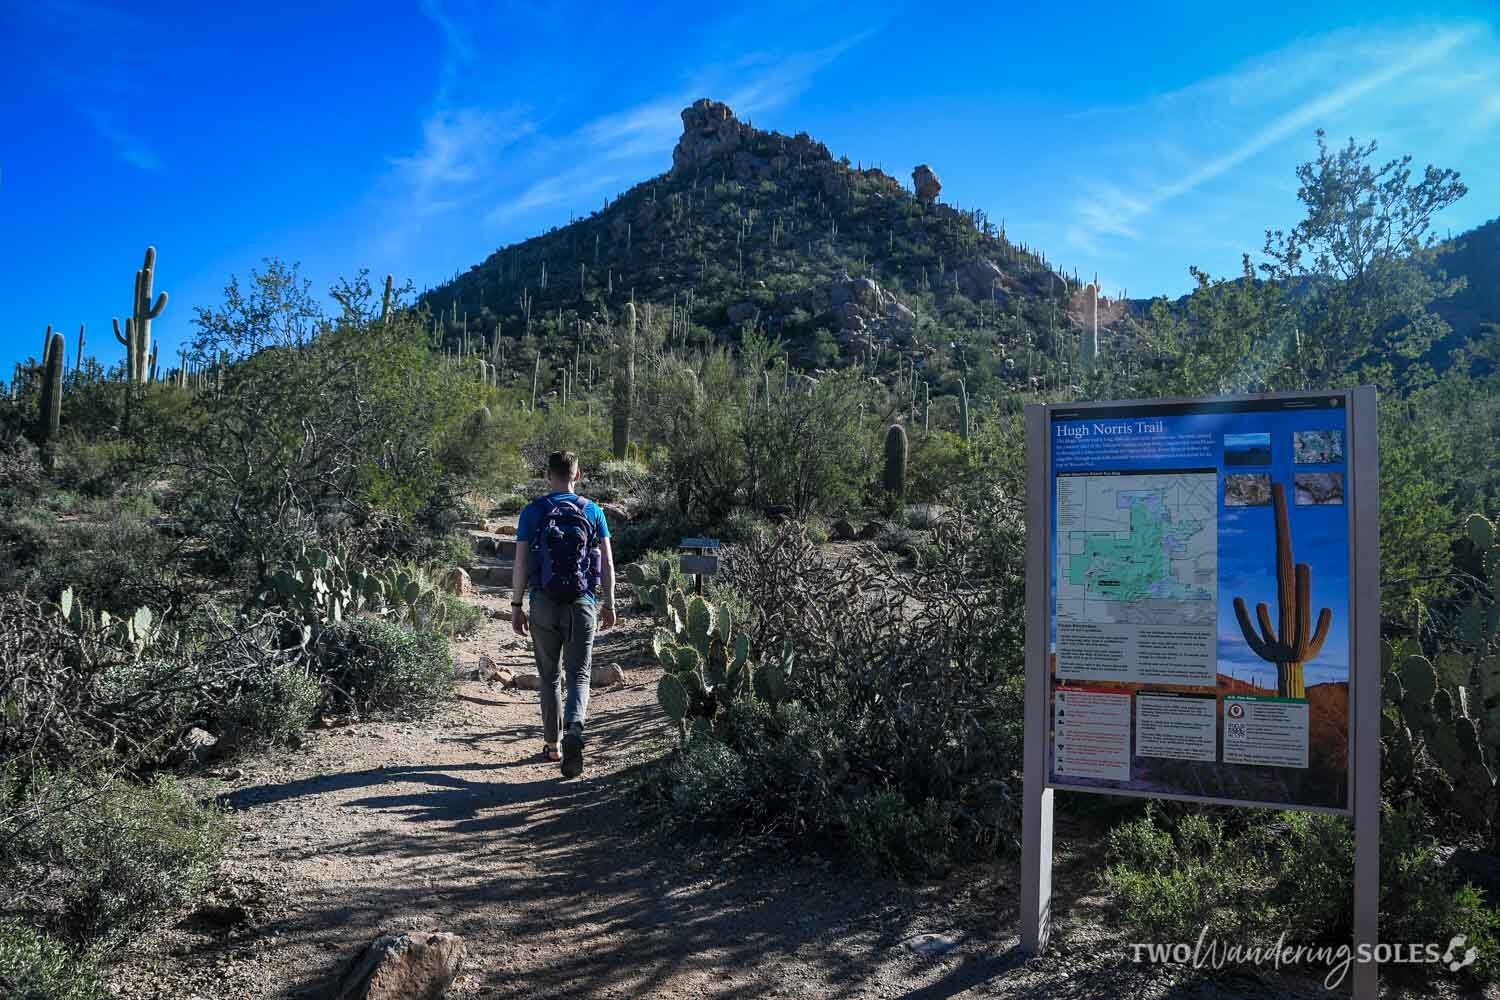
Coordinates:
(1292, 872)
(457, 617)
(117, 560)
(374, 665)
(892, 835)
(706, 782)
(34, 966)
(277, 706)
(102, 862)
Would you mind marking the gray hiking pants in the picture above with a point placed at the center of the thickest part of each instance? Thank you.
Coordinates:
(563, 637)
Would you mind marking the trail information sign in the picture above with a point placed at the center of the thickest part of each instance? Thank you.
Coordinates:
(1201, 566)
(1203, 608)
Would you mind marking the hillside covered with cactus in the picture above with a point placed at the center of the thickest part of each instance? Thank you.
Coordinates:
(759, 230)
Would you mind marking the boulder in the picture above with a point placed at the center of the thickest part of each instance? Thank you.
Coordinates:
(981, 278)
(925, 182)
(902, 314)
(528, 682)
(456, 581)
(605, 676)
(487, 670)
(408, 966)
(616, 513)
(506, 529)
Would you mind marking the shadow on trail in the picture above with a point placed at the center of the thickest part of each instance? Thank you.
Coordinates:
(558, 890)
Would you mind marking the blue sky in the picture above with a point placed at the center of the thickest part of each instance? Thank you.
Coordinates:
(419, 137)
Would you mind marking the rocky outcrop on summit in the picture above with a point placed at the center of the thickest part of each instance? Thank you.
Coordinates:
(925, 182)
(709, 129)
(711, 133)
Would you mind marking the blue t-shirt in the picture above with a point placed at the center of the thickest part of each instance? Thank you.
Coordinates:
(531, 520)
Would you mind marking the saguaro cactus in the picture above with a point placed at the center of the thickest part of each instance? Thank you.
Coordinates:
(894, 479)
(963, 410)
(385, 301)
(624, 385)
(137, 335)
(50, 424)
(1293, 641)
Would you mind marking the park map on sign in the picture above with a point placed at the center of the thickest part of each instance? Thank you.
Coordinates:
(1139, 549)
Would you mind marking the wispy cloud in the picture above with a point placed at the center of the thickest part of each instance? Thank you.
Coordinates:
(499, 166)
(1372, 83)
(127, 145)
(114, 46)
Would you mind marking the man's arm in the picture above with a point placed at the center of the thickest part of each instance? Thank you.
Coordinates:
(607, 582)
(518, 589)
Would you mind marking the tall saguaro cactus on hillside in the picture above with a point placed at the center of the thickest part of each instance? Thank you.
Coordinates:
(894, 477)
(137, 335)
(624, 389)
(1292, 641)
(49, 426)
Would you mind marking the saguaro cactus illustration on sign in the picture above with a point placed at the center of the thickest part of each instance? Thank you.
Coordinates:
(1292, 642)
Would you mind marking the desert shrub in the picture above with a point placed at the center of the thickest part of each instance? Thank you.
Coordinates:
(36, 966)
(890, 834)
(82, 694)
(508, 503)
(1173, 872)
(97, 466)
(901, 730)
(939, 461)
(451, 548)
(740, 525)
(276, 706)
(706, 782)
(119, 561)
(20, 469)
(100, 861)
(458, 616)
(371, 665)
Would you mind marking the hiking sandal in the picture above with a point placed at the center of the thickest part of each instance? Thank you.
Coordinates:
(550, 754)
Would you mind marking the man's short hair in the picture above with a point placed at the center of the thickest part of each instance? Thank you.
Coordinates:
(562, 465)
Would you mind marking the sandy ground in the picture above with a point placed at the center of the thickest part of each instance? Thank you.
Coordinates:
(453, 823)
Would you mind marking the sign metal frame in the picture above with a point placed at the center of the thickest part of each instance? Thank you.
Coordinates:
(1039, 791)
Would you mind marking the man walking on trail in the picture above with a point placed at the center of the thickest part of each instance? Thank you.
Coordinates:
(563, 554)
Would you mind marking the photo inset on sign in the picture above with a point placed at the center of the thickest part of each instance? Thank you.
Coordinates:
(1247, 449)
(1318, 488)
(1317, 447)
(1247, 489)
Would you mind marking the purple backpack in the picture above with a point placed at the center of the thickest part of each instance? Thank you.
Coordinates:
(568, 546)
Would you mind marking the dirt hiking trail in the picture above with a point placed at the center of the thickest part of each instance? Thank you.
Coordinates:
(454, 823)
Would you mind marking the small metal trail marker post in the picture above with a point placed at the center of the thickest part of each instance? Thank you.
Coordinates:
(700, 559)
(1178, 468)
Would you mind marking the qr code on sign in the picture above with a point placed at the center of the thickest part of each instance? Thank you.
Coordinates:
(1235, 730)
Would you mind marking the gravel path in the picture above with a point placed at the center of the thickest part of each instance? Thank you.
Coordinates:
(453, 824)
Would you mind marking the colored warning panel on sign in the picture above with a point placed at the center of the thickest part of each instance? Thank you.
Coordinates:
(1091, 734)
(1262, 730)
